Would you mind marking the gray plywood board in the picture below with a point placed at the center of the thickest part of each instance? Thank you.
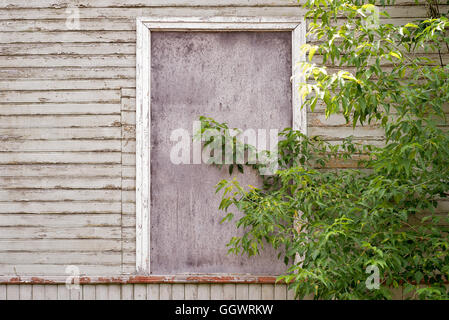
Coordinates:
(242, 78)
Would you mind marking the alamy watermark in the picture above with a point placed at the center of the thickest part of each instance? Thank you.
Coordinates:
(72, 282)
(211, 146)
(373, 281)
(72, 21)
(371, 18)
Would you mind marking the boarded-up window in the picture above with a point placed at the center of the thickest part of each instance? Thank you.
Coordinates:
(242, 78)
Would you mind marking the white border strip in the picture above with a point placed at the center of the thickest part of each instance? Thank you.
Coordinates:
(144, 28)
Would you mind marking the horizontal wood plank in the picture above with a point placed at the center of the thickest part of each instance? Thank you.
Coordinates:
(60, 220)
(33, 85)
(59, 157)
(57, 108)
(99, 133)
(60, 96)
(60, 183)
(139, 3)
(63, 258)
(60, 207)
(64, 48)
(58, 73)
(60, 195)
(47, 245)
(61, 145)
(65, 170)
(59, 121)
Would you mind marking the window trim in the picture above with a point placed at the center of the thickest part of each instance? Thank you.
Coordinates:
(144, 27)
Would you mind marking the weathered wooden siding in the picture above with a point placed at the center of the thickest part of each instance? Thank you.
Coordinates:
(179, 291)
(67, 138)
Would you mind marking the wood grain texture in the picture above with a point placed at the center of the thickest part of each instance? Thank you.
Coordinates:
(76, 294)
(38, 292)
(13, 292)
(178, 292)
(229, 291)
(68, 139)
(153, 291)
(127, 292)
(89, 292)
(26, 292)
(142, 159)
(165, 292)
(216, 292)
(130, 292)
(255, 292)
(114, 292)
(267, 292)
(159, 3)
(242, 291)
(191, 291)
(3, 291)
(395, 11)
(63, 292)
(102, 292)
(204, 292)
(140, 292)
(51, 292)
(280, 292)
(139, 3)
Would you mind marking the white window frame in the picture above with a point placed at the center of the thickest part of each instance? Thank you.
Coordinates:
(144, 28)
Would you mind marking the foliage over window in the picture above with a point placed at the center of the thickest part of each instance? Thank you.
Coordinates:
(329, 224)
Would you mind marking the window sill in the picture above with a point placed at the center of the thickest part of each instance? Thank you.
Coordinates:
(141, 279)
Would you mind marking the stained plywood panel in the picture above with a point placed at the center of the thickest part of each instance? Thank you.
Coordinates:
(242, 78)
